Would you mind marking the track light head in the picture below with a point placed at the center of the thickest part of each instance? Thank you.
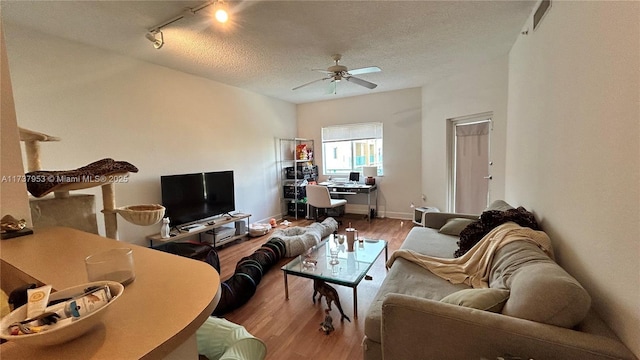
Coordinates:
(220, 11)
(157, 42)
(221, 14)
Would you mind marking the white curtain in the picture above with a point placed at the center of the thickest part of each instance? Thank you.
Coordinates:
(472, 166)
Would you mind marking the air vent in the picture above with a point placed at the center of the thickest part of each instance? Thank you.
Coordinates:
(543, 8)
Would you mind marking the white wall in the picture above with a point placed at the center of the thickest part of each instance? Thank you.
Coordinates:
(13, 194)
(573, 152)
(479, 89)
(162, 121)
(399, 111)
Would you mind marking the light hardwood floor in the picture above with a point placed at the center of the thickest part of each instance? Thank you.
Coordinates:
(291, 328)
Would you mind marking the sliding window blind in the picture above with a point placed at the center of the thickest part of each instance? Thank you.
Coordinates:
(352, 132)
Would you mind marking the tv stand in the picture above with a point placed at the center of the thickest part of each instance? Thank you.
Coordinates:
(205, 226)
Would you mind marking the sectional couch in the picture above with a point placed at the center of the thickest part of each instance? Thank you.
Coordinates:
(532, 309)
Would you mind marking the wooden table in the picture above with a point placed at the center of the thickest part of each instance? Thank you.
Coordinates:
(156, 317)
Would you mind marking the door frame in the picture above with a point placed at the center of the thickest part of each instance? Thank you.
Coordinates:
(451, 151)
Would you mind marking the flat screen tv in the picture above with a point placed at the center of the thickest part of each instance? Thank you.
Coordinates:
(191, 197)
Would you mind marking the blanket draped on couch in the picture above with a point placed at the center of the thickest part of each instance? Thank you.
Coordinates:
(488, 221)
(473, 267)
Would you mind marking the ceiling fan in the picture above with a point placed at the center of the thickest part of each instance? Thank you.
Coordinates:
(338, 72)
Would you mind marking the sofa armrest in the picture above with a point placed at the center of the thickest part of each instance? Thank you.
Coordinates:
(416, 328)
(436, 220)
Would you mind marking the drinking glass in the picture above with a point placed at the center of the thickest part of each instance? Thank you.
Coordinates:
(334, 256)
(115, 265)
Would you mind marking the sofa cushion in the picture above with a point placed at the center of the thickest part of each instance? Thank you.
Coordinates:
(455, 225)
(540, 289)
(429, 242)
(436, 220)
(408, 278)
(482, 299)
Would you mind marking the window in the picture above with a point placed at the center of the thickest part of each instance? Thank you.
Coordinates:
(347, 148)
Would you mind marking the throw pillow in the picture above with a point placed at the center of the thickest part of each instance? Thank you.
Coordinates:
(489, 299)
(454, 226)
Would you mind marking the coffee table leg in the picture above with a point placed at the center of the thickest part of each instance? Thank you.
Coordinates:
(355, 302)
(286, 287)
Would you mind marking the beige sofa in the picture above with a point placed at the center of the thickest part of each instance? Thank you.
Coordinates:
(533, 309)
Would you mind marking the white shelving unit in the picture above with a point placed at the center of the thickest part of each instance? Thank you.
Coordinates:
(290, 156)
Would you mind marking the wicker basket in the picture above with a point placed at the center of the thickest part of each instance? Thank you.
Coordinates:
(143, 215)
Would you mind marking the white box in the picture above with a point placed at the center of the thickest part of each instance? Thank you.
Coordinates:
(420, 212)
(223, 232)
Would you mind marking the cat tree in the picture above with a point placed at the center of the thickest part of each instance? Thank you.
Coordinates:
(143, 215)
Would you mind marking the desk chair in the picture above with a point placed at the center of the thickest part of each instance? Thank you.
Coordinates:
(318, 196)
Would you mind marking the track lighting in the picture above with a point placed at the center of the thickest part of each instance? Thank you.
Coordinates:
(152, 36)
(221, 14)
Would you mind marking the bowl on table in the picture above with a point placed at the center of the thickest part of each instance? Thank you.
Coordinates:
(62, 333)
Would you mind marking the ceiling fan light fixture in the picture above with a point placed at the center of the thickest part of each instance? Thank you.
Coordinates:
(338, 72)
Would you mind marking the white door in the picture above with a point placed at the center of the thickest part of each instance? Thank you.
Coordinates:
(470, 163)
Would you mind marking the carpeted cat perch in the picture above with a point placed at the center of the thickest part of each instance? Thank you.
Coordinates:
(97, 173)
(290, 242)
(104, 173)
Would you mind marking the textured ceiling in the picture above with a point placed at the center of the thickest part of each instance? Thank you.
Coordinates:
(269, 47)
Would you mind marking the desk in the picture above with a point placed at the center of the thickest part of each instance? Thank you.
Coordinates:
(156, 317)
(354, 189)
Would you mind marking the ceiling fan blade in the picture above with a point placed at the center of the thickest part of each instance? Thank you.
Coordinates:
(365, 70)
(361, 82)
(309, 83)
(323, 71)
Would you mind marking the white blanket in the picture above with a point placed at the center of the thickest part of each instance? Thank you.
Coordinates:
(473, 267)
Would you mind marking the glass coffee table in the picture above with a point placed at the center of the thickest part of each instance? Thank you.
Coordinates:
(349, 271)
